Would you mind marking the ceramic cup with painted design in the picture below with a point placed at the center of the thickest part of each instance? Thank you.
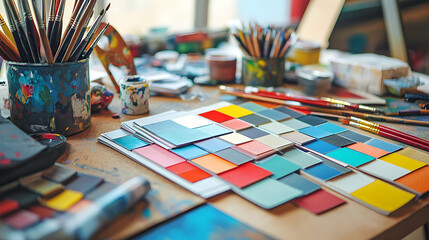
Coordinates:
(262, 71)
(50, 97)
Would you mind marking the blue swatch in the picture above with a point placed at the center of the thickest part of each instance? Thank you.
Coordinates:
(213, 145)
(322, 171)
(274, 114)
(332, 128)
(389, 147)
(290, 112)
(350, 156)
(295, 180)
(130, 142)
(175, 133)
(253, 133)
(252, 106)
(189, 152)
(321, 146)
(315, 132)
(355, 136)
(214, 130)
(204, 222)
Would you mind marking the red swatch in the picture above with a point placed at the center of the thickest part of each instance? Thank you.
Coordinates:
(189, 172)
(245, 174)
(7, 206)
(42, 212)
(216, 116)
(319, 201)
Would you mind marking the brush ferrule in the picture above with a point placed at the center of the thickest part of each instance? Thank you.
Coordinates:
(366, 108)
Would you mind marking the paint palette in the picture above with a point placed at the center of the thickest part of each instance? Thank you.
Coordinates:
(248, 148)
(37, 206)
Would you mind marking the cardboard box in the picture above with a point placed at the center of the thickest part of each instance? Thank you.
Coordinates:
(367, 71)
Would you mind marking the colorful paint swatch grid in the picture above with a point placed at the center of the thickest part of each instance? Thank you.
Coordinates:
(249, 148)
(35, 207)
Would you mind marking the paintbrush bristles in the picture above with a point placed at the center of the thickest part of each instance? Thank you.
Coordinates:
(265, 42)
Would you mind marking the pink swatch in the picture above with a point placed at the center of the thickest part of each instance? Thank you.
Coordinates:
(159, 155)
(236, 124)
(21, 219)
(255, 147)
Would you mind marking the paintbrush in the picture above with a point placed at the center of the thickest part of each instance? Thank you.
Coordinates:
(6, 30)
(18, 32)
(51, 18)
(94, 43)
(32, 34)
(43, 36)
(9, 51)
(84, 43)
(55, 34)
(69, 34)
(79, 28)
(384, 133)
(14, 31)
(83, 31)
(389, 130)
(354, 106)
(373, 117)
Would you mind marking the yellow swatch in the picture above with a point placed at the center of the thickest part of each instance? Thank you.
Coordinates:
(44, 187)
(383, 196)
(235, 111)
(63, 200)
(403, 161)
(414, 154)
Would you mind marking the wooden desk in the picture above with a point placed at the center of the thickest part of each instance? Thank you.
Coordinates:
(349, 221)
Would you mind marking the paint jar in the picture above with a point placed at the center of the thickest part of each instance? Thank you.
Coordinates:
(262, 71)
(134, 95)
(222, 67)
(305, 53)
(51, 98)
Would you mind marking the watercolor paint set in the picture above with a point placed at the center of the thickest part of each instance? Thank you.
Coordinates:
(267, 153)
(62, 203)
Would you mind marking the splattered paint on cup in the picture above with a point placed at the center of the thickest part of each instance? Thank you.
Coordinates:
(134, 95)
(50, 97)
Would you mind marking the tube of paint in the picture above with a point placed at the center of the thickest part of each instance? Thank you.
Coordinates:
(106, 208)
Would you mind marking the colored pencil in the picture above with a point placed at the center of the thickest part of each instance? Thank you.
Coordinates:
(354, 106)
(384, 134)
(390, 130)
(43, 36)
(265, 43)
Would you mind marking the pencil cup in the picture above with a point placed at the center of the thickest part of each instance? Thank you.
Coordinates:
(50, 97)
(262, 72)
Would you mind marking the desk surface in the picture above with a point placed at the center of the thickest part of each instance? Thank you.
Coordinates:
(349, 221)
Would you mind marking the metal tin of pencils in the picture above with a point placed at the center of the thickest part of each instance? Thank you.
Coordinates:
(134, 95)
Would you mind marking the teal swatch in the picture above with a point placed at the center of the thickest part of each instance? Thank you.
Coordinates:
(350, 156)
(279, 166)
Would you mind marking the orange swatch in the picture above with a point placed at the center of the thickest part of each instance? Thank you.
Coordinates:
(368, 150)
(214, 163)
(189, 172)
(417, 180)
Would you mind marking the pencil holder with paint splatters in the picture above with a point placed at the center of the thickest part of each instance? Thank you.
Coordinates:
(50, 97)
